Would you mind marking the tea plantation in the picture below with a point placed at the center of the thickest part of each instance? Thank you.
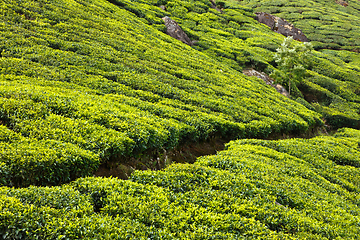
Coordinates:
(284, 189)
(88, 83)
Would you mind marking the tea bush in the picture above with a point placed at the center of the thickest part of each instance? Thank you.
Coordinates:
(26, 161)
(82, 82)
(288, 189)
(293, 181)
(284, 189)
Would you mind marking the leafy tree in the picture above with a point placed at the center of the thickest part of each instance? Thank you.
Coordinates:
(292, 59)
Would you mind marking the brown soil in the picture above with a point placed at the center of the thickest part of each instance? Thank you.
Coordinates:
(309, 134)
(122, 167)
(156, 159)
(310, 97)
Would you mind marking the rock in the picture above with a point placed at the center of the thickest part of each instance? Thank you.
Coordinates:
(268, 80)
(175, 31)
(342, 3)
(281, 26)
(162, 7)
(281, 90)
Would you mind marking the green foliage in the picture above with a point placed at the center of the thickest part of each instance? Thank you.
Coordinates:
(244, 43)
(328, 26)
(64, 78)
(348, 133)
(96, 138)
(82, 82)
(291, 59)
(62, 213)
(335, 99)
(305, 103)
(326, 22)
(26, 161)
(286, 189)
(293, 181)
(336, 118)
(57, 85)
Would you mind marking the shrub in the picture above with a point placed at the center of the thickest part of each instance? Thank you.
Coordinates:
(291, 61)
(47, 162)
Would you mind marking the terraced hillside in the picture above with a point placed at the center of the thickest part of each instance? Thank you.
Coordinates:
(286, 189)
(232, 36)
(89, 83)
(328, 24)
(94, 76)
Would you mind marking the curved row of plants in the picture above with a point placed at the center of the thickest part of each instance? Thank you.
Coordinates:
(95, 76)
(285, 189)
(233, 36)
(325, 23)
(84, 82)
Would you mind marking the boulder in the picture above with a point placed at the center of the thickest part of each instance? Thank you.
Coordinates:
(174, 30)
(268, 80)
(281, 26)
(342, 3)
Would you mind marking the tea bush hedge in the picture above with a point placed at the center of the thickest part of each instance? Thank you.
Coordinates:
(318, 17)
(285, 184)
(25, 161)
(83, 82)
(284, 189)
(240, 42)
(99, 77)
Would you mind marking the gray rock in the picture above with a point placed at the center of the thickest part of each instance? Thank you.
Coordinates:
(342, 3)
(175, 31)
(281, 26)
(268, 80)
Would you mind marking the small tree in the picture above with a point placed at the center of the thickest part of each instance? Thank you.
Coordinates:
(291, 58)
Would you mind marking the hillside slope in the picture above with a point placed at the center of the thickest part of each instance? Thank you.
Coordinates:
(89, 83)
(286, 189)
(95, 76)
(334, 78)
(232, 36)
(327, 23)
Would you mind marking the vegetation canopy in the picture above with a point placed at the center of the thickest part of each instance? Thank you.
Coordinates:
(94, 87)
(291, 61)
